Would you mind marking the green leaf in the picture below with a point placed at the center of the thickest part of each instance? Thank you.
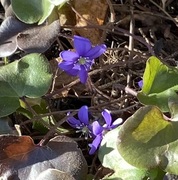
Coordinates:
(110, 158)
(32, 11)
(39, 105)
(39, 125)
(148, 140)
(30, 76)
(160, 82)
(4, 126)
(173, 106)
(47, 8)
(8, 104)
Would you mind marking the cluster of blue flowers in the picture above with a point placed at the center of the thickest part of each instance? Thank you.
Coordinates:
(78, 63)
(93, 130)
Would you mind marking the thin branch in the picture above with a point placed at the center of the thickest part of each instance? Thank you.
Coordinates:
(164, 12)
(54, 130)
(132, 26)
(114, 30)
(112, 12)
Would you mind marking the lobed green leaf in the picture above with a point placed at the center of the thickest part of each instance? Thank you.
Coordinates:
(30, 76)
(148, 140)
(32, 11)
(160, 82)
(111, 158)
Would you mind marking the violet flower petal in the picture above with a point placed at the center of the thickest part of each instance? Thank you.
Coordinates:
(83, 115)
(73, 72)
(94, 145)
(96, 51)
(82, 45)
(77, 66)
(69, 56)
(83, 75)
(66, 66)
(116, 123)
(73, 122)
(107, 117)
(140, 83)
(96, 128)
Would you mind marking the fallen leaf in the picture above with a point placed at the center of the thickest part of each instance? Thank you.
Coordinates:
(9, 28)
(88, 13)
(39, 38)
(29, 38)
(15, 146)
(93, 12)
(21, 159)
(54, 174)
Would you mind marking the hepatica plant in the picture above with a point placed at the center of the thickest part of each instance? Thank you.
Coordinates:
(78, 63)
(93, 130)
(82, 123)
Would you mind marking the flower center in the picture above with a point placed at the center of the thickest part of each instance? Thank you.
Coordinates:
(82, 60)
(84, 130)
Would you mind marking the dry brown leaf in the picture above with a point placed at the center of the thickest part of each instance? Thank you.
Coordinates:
(94, 12)
(16, 145)
(21, 159)
(66, 15)
(88, 13)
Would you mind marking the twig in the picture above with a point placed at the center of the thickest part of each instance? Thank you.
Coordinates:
(54, 80)
(132, 26)
(93, 163)
(113, 101)
(93, 87)
(78, 14)
(144, 35)
(101, 93)
(28, 106)
(138, 38)
(164, 12)
(127, 89)
(112, 13)
(39, 116)
(124, 109)
(59, 42)
(53, 130)
(114, 30)
(68, 86)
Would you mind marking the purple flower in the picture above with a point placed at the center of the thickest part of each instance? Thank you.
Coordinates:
(80, 62)
(82, 123)
(108, 119)
(98, 130)
(95, 130)
(140, 83)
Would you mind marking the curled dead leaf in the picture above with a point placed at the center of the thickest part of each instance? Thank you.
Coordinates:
(21, 159)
